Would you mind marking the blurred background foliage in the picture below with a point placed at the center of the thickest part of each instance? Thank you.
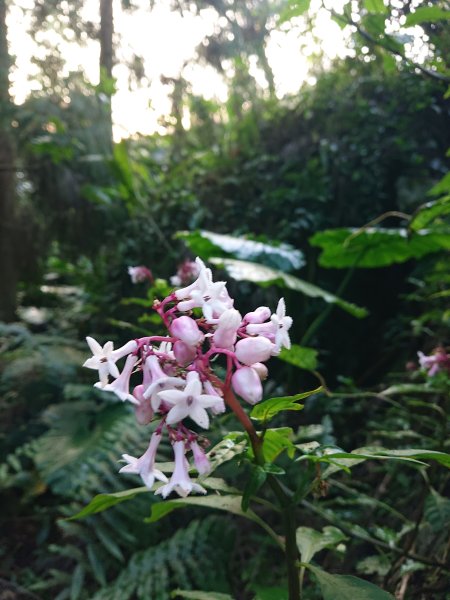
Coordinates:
(336, 197)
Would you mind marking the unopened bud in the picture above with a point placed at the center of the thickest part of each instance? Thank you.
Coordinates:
(183, 353)
(186, 329)
(200, 459)
(247, 384)
(261, 369)
(225, 334)
(253, 349)
(143, 411)
(261, 314)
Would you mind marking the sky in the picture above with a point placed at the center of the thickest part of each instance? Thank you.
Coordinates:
(166, 40)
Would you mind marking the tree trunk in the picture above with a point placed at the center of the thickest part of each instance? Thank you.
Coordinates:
(8, 272)
(106, 58)
(106, 37)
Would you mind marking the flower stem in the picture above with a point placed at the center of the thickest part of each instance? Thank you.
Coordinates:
(284, 499)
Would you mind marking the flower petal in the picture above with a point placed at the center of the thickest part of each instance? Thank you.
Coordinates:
(177, 413)
(199, 415)
(172, 396)
(95, 347)
(114, 371)
(92, 363)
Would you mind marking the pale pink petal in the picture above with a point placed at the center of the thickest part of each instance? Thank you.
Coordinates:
(199, 415)
(95, 347)
(172, 396)
(177, 413)
(91, 363)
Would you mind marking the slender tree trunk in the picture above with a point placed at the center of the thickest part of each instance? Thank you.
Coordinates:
(107, 56)
(106, 37)
(8, 272)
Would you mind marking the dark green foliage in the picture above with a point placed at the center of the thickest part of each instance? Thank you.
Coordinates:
(190, 559)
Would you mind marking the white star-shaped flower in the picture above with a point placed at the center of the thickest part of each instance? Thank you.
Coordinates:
(282, 325)
(103, 360)
(190, 402)
(145, 465)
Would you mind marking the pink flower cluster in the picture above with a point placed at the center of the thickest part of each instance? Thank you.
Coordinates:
(439, 360)
(140, 274)
(177, 377)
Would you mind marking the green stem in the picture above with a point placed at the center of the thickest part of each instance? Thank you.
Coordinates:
(284, 498)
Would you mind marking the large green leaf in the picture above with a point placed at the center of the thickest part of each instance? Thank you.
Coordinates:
(207, 244)
(427, 14)
(347, 587)
(339, 460)
(102, 502)
(300, 356)
(430, 212)
(228, 503)
(370, 248)
(269, 408)
(310, 541)
(266, 276)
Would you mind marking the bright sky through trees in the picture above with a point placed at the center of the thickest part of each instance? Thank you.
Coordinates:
(166, 41)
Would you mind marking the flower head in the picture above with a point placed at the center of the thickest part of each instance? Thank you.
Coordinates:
(140, 274)
(282, 325)
(180, 482)
(104, 359)
(145, 465)
(190, 402)
(438, 361)
(121, 385)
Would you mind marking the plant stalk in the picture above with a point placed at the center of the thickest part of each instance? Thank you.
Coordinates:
(284, 499)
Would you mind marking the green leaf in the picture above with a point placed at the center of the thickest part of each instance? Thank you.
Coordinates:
(231, 503)
(345, 460)
(264, 411)
(347, 587)
(276, 441)
(427, 14)
(224, 451)
(375, 6)
(192, 595)
(77, 582)
(257, 478)
(271, 593)
(370, 248)
(429, 212)
(310, 541)
(389, 62)
(207, 244)
(294, 8)
(300, 356)
(265, 277)
(437, 511)
(102, 502)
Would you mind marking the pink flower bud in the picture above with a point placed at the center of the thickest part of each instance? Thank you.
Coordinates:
(200, 459)
(186, 329)
(225, 334)
(253, 349)
(183, 353)
(143, 411)
(247, 384)
(261, 369)
(261, 314)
